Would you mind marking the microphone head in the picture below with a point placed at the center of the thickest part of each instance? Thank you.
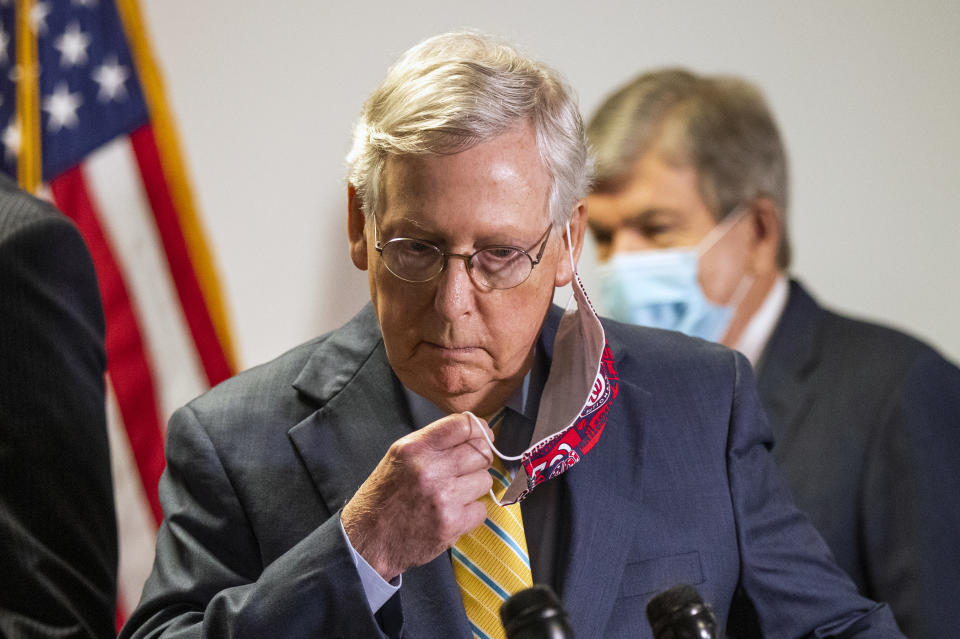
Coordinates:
(680, 613)
(534, 612)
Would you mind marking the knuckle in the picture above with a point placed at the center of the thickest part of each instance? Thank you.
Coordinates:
(462, 425)
(424, 483)
(440, 500)
(400, 448)
(427, 474)
(486, 481)
(475, 515)
(448, 524)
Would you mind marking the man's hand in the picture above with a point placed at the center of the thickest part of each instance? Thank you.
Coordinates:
(422, 496)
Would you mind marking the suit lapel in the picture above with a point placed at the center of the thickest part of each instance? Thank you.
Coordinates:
(363, 412)
(344, 440)
(604, 514)
(792, 354)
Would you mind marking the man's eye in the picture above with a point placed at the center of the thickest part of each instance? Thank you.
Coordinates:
(652, 230)
(417, 247)
(601, 234)
(500, 253)
(604, 236)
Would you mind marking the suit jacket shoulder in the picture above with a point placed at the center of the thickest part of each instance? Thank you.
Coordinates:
(868, 415)
(809, 336)
(691, 367)
(298, 382)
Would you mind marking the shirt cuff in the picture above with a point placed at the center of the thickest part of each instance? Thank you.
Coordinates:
(376, 588)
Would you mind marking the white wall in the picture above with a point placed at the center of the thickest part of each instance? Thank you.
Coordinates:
(867, 94)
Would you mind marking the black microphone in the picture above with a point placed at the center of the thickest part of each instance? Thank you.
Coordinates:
(535, 613)
(680, 613)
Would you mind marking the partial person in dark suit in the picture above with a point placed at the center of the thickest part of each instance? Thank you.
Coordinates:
(689, 215)
(335, 491)
(58, 539)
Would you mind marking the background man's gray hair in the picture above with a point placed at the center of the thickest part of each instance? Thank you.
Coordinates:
(720, 125)
(455, 90)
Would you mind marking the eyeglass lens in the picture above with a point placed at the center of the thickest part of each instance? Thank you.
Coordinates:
(417, 261)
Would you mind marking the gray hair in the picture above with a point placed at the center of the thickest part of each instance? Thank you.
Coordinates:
(720, 125)
(455, 90)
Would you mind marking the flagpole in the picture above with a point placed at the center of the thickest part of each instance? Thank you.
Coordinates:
(29, 166)
(176, 174)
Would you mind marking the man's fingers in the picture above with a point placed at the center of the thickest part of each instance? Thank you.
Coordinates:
(473, 486)
(455, 429)
(468, 457)
(473, 515)
(469, 491)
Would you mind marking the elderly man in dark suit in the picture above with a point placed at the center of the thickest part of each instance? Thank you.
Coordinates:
(58, 539)
(350, 487)
(689, 213)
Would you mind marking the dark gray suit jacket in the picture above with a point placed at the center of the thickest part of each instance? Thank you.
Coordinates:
(680, 488)
(867, 425)
(58, 540)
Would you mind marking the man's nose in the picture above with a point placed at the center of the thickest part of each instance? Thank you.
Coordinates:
(455, 288)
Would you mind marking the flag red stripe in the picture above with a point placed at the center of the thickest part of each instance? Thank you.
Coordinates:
(127, 361)
(194, 305)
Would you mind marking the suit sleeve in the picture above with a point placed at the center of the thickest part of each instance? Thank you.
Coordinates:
(58, 547)
(208, 579)
(787, 571)
(910, 495)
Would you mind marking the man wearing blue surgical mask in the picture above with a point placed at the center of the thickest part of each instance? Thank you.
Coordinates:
(688, 214)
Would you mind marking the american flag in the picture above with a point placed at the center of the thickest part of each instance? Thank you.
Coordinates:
(83, 120)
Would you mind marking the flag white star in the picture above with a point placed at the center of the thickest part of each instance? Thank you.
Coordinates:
(4, 41)
(11, 139)
(72, 46)
(84, 3)
(111, 76)
(62, 107)
(38, 17)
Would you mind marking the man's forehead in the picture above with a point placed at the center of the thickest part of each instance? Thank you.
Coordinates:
(653, 182)
(497, 184)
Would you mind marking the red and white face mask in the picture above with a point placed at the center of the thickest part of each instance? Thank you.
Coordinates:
(575, 402)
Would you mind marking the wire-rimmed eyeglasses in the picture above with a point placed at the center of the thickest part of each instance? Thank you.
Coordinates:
(500, 267)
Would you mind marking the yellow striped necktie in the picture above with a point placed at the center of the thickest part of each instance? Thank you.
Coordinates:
(491, 562)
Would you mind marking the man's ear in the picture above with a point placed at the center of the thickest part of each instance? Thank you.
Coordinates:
(356, 224)
(767, 222)
(578, 225)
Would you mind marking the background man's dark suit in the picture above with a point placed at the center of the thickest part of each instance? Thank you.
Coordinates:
(58, 547)
(680, 488)
(867, 428)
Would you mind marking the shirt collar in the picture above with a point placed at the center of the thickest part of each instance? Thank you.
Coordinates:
(760, 327)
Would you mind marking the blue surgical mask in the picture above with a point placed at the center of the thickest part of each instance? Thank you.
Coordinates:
(661, 288)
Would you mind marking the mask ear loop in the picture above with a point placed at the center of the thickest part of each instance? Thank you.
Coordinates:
(493, 448)
(741, 291)
(714, 236)
(721, 229)
(490, 441)
(573, 267)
